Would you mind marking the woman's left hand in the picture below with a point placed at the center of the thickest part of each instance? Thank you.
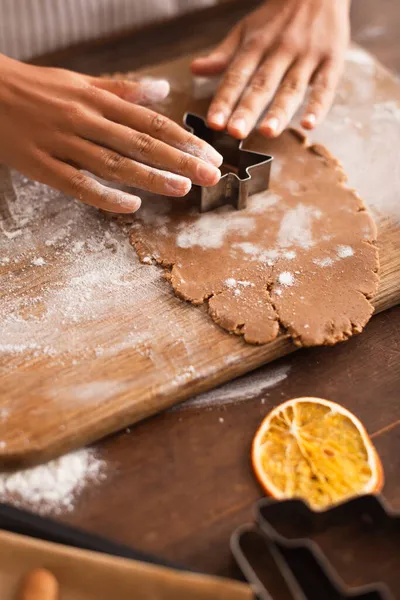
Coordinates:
(272, 55)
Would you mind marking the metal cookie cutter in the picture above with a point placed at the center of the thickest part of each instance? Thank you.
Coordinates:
(248, 171)
(283, 557)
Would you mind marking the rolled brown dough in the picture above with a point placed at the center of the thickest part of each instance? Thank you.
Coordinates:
(301, 258)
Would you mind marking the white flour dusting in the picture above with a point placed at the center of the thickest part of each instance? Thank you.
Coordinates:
(232, 283)
(371, 32)
(94, 392)
(286, 278)
(244, 388)
(289, 255)
(361, 57)
(368, 118)
(258, 203)
(323, 262)
(98, 276)
(296, 227)
(255, 252)
(38, 262)
(248, 248)
(53, 488)
(386, 110)
(344, 251)
(209, 230)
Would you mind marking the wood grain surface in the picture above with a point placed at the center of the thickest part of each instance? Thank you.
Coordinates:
(179, 483)
(68, 394)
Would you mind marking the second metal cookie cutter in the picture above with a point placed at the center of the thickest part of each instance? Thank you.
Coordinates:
(248, 171)
(284, 555)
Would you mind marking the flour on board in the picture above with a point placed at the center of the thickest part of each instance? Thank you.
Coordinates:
(38, 262)
(94, 392)
(361, 57)
(53, 488)
(371, 32)
(369, 118)
(98, 275)
(386, 110)
(245, 388)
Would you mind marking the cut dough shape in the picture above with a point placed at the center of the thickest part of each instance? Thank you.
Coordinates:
(300, 259)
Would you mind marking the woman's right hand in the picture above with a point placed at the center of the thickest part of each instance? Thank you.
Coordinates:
(55, 123)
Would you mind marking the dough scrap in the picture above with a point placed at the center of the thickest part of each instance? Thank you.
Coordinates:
(300, 259)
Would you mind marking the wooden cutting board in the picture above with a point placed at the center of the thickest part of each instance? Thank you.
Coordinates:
(92, 341)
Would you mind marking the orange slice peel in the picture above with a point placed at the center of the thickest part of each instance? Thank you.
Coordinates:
(316, 450)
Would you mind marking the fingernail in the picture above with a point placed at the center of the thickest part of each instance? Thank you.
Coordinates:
(210, 58)
(309, 121)
(125, 202)
(208, 174)
(177, 185)
(272, 125)
(200, 59)
(154, 90)
(217, 119)
(239, 125)
(214, 157)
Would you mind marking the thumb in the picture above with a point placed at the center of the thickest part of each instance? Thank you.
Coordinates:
(219, 58)
(144, 91)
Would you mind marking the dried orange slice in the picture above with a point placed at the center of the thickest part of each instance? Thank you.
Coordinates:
(315, 450)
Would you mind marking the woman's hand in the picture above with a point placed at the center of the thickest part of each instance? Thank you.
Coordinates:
(55, 123)
(272, 55)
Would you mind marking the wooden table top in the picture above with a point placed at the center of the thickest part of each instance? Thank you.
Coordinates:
(179, 483)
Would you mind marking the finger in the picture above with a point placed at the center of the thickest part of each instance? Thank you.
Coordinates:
(232, 85)
(146, 90)
(288, 98)
(259, 93)
(220, 57)
(322, 93)
(111, 166)
(145, 149)
(160, 128)
(72, 182)
(150, 151)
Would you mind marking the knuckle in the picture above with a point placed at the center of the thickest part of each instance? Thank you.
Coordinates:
(290, 44)
(152, 178)
(120, 87)
(316, 103)
(218, 105)
(77, 184)
(184, 162)
(95, 94)
(112, 164)
(74, 113)
(291, 85)
(260, 83)
(145, 144)
(253, 41)
(158, 123)
(321, 80)
(234, 78)
(323, 87)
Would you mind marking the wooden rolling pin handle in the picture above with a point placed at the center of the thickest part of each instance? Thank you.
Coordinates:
(39, 584)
